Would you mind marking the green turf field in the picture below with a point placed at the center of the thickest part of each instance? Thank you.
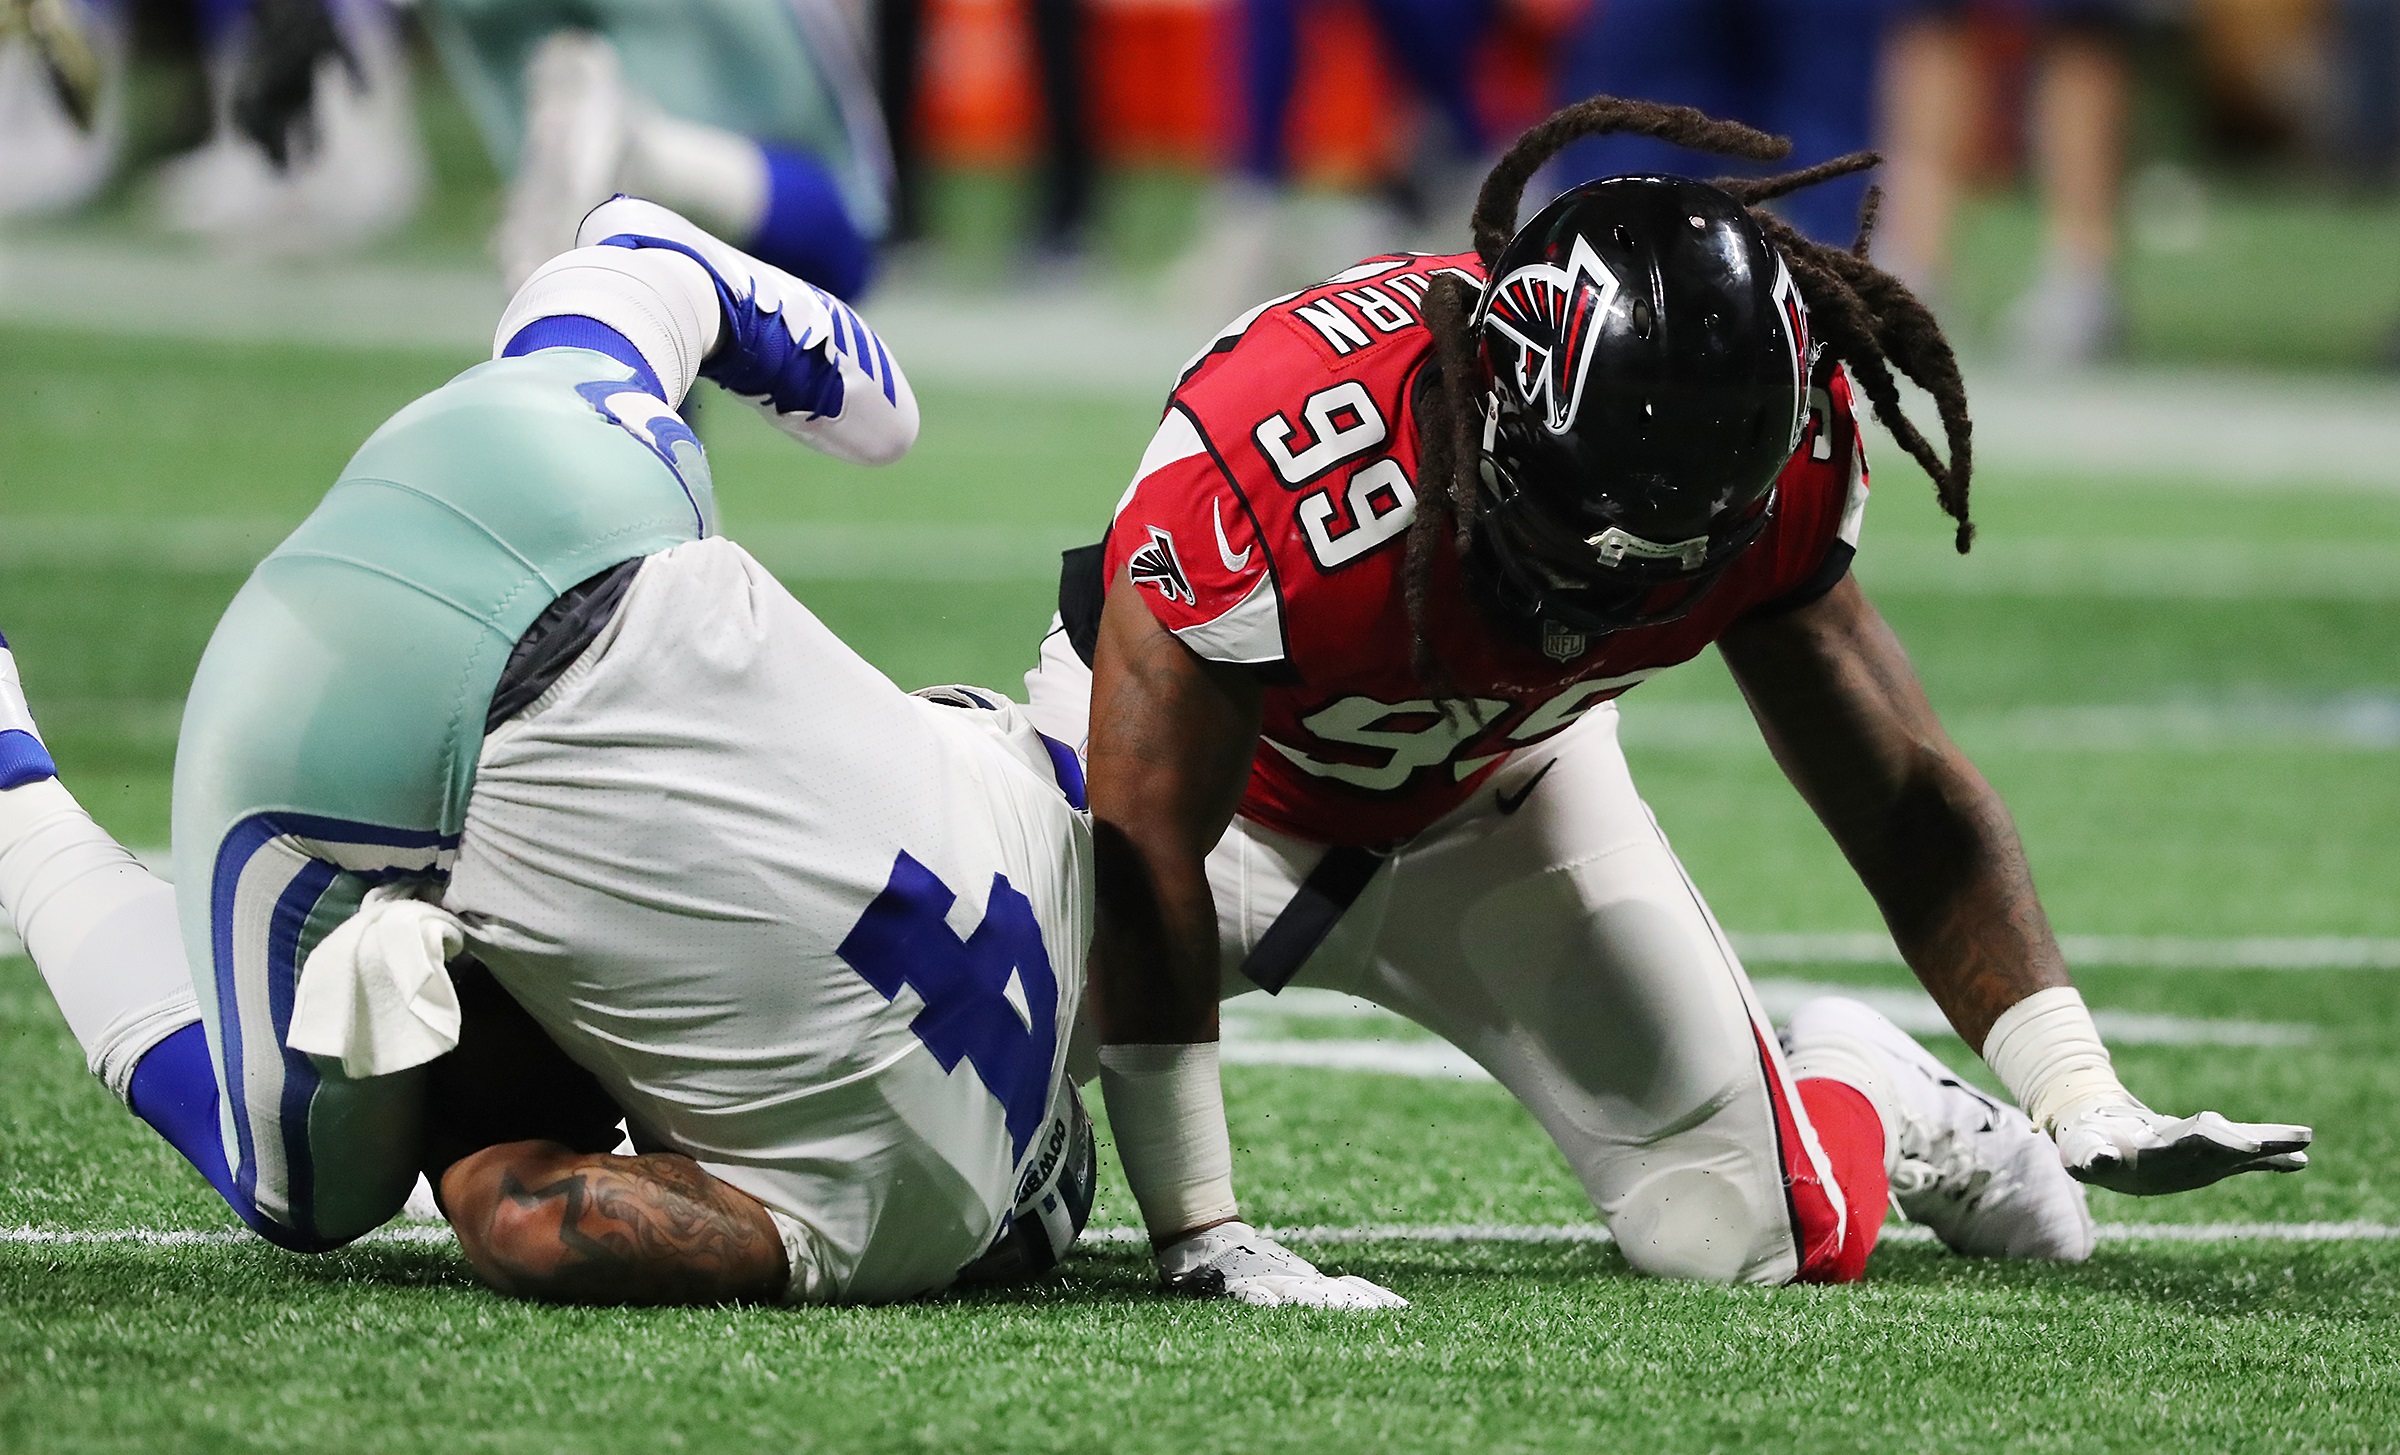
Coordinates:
(2190, 696)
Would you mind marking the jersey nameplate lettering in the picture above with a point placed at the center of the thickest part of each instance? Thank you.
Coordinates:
(1352, 318)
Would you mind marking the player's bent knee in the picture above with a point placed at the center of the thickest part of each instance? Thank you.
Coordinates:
(1696, 1223)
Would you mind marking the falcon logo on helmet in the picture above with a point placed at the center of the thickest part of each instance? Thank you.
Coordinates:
(1551, 315)
(1795, 324)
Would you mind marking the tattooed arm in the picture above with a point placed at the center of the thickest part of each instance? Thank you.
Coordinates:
(540, 1220)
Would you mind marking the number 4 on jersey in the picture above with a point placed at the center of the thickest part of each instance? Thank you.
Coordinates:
(991, 998)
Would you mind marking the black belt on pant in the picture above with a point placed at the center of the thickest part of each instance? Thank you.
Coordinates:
(1323, 897)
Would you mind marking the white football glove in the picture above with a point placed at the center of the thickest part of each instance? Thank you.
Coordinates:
(1233, 1260)
(2124, 1146)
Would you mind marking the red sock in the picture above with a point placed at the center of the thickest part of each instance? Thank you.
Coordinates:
(1852, 1136)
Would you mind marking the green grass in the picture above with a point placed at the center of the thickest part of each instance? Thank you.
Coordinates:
(141, 447)
(2277, 277)
(1552, 1347)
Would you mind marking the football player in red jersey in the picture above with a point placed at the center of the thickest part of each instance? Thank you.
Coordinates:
(1353, 644)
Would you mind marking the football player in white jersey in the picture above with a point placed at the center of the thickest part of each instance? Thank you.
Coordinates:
(506, 692)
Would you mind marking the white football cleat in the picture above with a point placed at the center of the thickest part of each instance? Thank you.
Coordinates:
(799, 355)
(1236, 1261)
(577, 125)
(1971, 1167)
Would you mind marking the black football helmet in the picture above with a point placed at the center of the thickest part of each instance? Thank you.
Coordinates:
(1648, 359)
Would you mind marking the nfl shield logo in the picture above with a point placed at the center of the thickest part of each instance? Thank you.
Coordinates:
(1560, 644)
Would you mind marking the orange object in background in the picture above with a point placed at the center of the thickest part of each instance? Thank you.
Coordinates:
(977, 102)
(1165, 86)
(1349, 123)
(1155, 69)
(1517, 72)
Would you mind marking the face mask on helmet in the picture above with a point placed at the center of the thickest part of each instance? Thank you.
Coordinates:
(1649, 359)
(1535, 568)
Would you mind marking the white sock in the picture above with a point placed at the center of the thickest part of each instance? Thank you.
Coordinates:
(718, 178)
(660, 300)
(101, 929)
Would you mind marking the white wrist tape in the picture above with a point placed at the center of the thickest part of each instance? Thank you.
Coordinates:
(2048, 1054)
(1166, 1107)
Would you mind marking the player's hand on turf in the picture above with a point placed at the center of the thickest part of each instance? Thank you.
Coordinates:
(2124, 1146)
(1233, 1260)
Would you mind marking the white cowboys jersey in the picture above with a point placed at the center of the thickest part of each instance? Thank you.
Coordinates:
(823, 936)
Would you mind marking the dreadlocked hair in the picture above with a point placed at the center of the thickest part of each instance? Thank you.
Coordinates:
(1866, 318)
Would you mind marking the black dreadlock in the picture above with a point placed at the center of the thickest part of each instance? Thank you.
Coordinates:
(1866, 318)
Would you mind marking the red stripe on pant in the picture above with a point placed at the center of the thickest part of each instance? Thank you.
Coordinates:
(1851, 1135)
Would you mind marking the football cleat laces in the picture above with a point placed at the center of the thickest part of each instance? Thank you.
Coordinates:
(1970, 1167)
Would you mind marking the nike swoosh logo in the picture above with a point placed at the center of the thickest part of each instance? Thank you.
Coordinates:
(1510, 802)
(1224, 546)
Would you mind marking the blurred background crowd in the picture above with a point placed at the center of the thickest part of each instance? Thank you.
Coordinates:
(2070, 182)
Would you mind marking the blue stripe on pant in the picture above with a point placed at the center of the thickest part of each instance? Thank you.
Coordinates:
(331, 735)
(282, 881)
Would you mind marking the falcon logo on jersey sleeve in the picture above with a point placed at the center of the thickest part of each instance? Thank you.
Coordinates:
(1550, 313)
(1156, 565)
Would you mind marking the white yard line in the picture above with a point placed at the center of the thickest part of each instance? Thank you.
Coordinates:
(1914, 1012)
(1250, 1043)
(405, 1233)
(1263, 1031)
(2352, 722)
(2350, 1232)
(423, 1234)
(2151, 426)
(2133, 952)
(2366, 721)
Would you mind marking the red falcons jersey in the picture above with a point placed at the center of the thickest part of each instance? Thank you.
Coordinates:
(1267, 526)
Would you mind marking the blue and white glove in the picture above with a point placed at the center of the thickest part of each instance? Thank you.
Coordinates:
(796, 353)
(2049, 1054)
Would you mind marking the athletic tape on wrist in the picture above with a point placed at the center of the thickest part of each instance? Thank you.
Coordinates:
(1166, 1107)
(2048, 1053)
